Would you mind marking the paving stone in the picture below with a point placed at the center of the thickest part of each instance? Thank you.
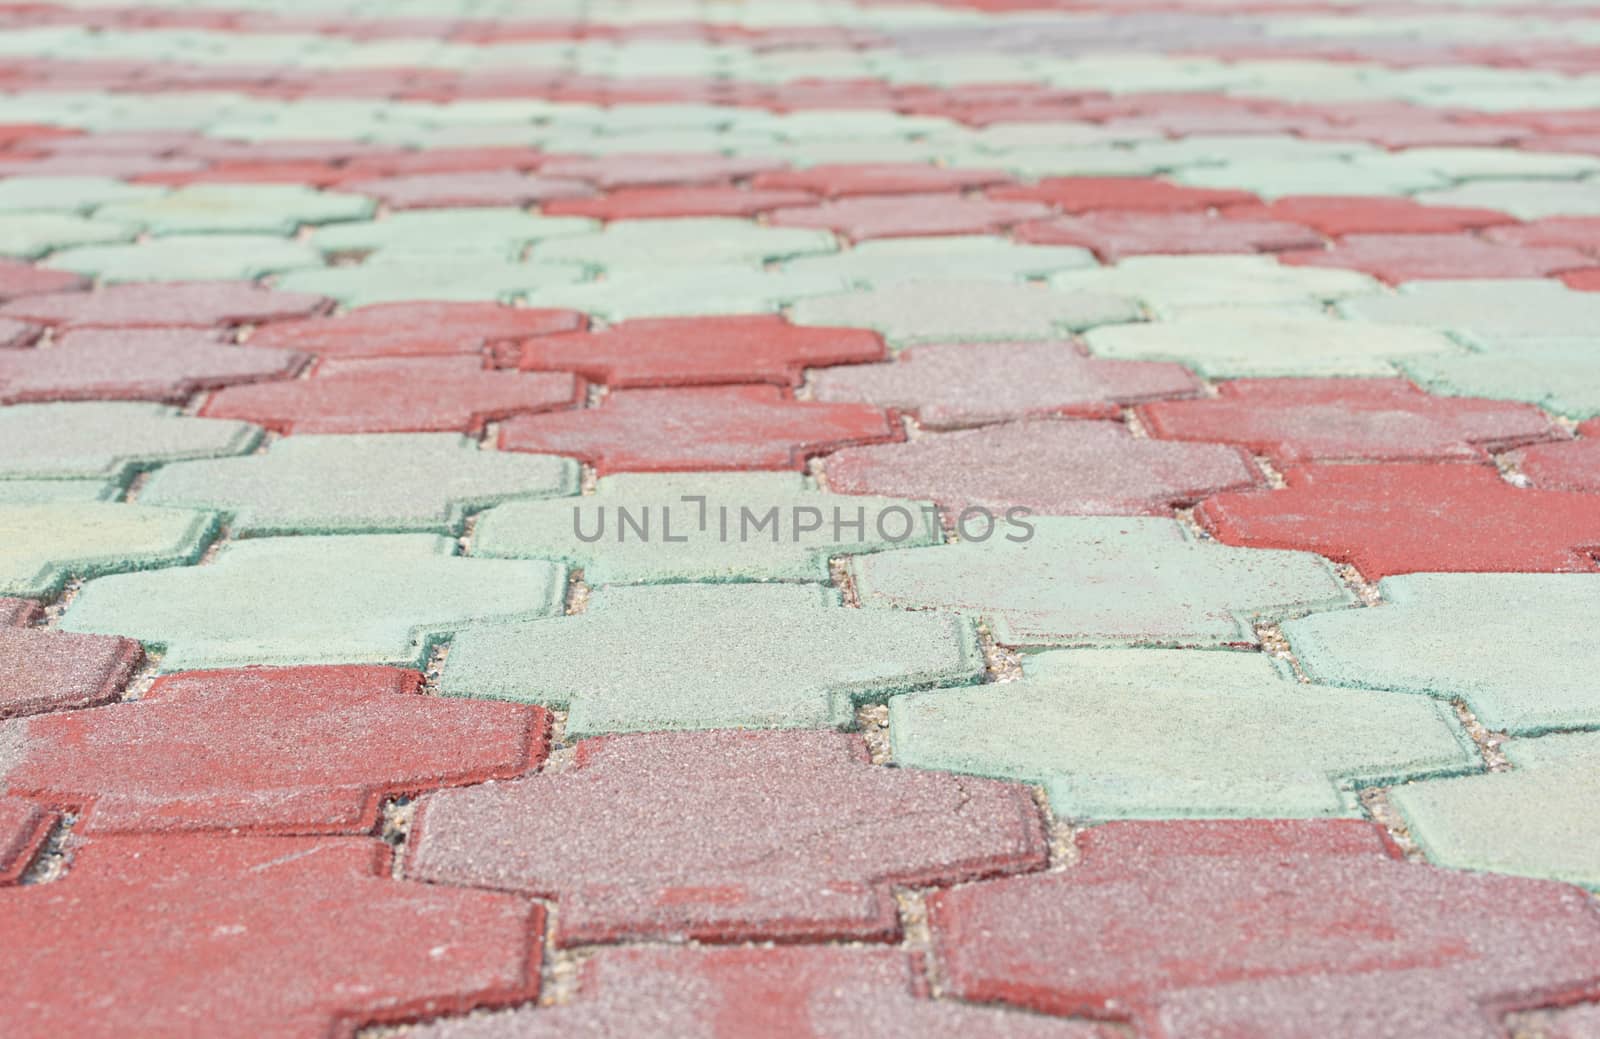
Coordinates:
(47, 544)
(946, 258)
(951, 385)
(1337, 215)
(946, 311)
(892, 216)
(16, 334)
(32, 235)
(1511, 646)
(473, 188)
(379, 483)
(24, 828)
(286, 750)
(395, 395)
(179, 305)
(441, 277)
(1523, 199)
(785, 859)
(187, 258)
(1412, 257)
(631, 662)
(656, 244)
(1480, 307)
(252, 935)
(1578, 232)
(1079, 581)
(20, 279)
(1116, 234)
(1096, 194)
(446, 229)
(416, 329)
(1338, 420)
(1053, 468)
(734, 427)
(270, 209)
(18, 612)
(355, 599)
(1159, 733)
(656, 169)
(1244, 343)
(53, 670)
(1561, 376)
(59, 194)
(108, 441)
(1407, 517)
(1574, 1022)
(1533, 821)
(700, 351)
(1572, 465)
(1330, 932)
(843, 180)
(1173, 285)
(136, 364)
(48, 492)
(727, 993)
(654, 203)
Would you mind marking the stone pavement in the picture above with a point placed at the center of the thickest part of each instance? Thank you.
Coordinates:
(838, 518)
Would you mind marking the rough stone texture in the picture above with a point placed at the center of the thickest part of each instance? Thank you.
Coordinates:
(53, 670)
(1113, 235)
(1080, 581)
(24, 826)
(109, 441)
(910, 215)
(47, 544)
(417, 328)
(178, 305)
(1570, 466)
(1561, 375)
(1241, 345)
(136, 364)
(16, 334)
(806, 854)
(951, 311)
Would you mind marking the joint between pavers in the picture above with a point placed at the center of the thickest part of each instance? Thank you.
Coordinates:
(53, 859)
(1490, 744)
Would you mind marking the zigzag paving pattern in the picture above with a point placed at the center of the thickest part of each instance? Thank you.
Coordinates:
(831, 518)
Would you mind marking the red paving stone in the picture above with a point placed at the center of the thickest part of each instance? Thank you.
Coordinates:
(166, 364)
(1333, 420)
(52, 670)
(190, 935)
(1338, 215)
(1113, 235)
(1266, 928)
(24, 826)
(1573, 232)
(193, 304)
(1570, 466)
(895, 216)
(1410, 257)
(277, 750)
(1406, 518)
(701, 351)
(395, 395)
(680, 843)
(20, 279)
(647, 203)
(1091, 194)
(416, 329)
(740, 427)
(835, 181)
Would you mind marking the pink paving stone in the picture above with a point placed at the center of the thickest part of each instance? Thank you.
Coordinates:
(725, 836)
(395, 395)
(1571, 232)
(416, 329)
(15, 334)
(612, 172)
(1113, 235)
(442, 160)
(1411, 257)
(1583, 281)
(162, 364)
(701, 351)
(317, 150)
(185, 304)
(1283, 929)
(649, 203)
(1055, 468)
(24, 826)
(1570, 466)
(951, 385)
(737, 993)
(1348, 214)
(1404, 518)
(835, 181)
(18, 279)
(1091, 194)
(259, 936)
(735, 427)
(120, 166)
(54, 670)
(18, 612)
(273, 750)
(471, 188)
(892, 216)
(311, 173)
(1336, 420)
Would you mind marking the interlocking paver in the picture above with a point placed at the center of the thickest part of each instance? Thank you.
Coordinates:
(1523, 199)
(1402, 518)
(840, 180)
(1173, 285)
(1415, 257)
(950, 385)
(1571, 465)
(656, 430)
(946, 311)
(1097, 194)
(1513, 647)
(378, 483)
(1354, 215)
(16, 334)
(177, 305)
(653, 203)
(24, 827)
(136, 364)
(1060, 468)
(728, 993)
(1333, 420)
(1099, 580)
(1483, 307)
(416, 329)
(286, 750)
(395, 395)
(412, 231)
(700, 351)
(470, 188)
(1325, 930)
(47, 544)
(667, 243)
(663, 527)
(1575, 232)
(32, 235)
(47, 492)
(20, 279)
(653, 169)
(251, 935)
(981, 258)
(893, 216)
(1157, 733)
(187, 258)
(356, 599)
(630, 662)
(468, 277)
(68, 194)
(1114, 235)
(51, 670)
(109, 440)
(280, 209)
(1560, 374)
(789, 858)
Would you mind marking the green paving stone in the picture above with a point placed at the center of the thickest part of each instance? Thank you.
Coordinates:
(1559, 376)
(358, 599)
(68, 194)
(956, 311)
(423, 230)
(1494, 163)
(218, 257)
(1275, 178)
(1480, 309)
(1152, 734)
(1518, 648)
(45, 492)
(1251, 344)
(713, 656)
(1102, 580)
(360, 484)
(109, 441)
(1537, 820)
(1174, 284)
(28, 236)
(1523, 199)
(430, 277)
(44, 545)
(278, 209)
(668, 244)
(691, 292)
(724, 532)
(947, 258)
